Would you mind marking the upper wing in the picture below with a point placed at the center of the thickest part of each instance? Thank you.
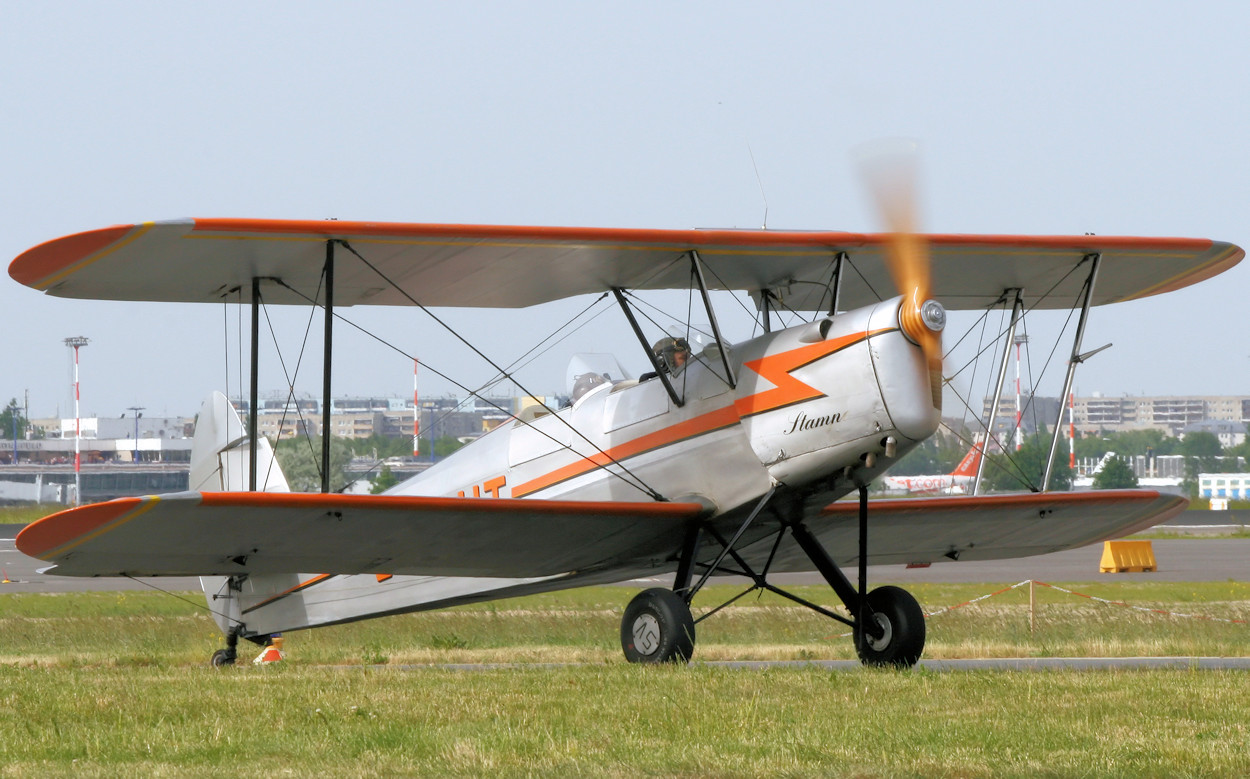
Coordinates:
(225, 533)
(206, 260)
(990, 527)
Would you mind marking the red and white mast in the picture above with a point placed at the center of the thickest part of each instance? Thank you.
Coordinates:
(1019, 339)
(416, 413)
(1071, 431)
(76, 343)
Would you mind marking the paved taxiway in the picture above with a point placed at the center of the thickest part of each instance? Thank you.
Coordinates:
(941, 666)
(1180, 560)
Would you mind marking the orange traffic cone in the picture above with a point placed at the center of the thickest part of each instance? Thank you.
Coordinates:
(272, 652)
(6, 577)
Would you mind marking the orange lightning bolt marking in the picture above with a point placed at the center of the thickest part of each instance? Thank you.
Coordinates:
(777, 370)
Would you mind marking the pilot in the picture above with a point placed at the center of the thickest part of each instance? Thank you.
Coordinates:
(674, 352)
(584, 383)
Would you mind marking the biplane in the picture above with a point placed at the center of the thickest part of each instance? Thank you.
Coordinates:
(723, 459)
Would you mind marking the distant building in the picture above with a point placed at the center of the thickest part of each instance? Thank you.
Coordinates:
(1037, 412)
(1170, 414)
(382, 416)
(1224, 485)
(1229, 433)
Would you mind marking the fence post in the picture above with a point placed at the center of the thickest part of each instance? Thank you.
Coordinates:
(1032, 607)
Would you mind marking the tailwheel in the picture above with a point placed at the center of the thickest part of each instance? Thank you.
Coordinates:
(900, 622)
(227, 656)
(657, 628)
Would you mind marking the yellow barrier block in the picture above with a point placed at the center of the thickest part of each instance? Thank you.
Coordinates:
(1127, 557)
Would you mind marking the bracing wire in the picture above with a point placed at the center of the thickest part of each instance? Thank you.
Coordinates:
(291, 378)
(456, 384)
(197, 604)
(507, 375)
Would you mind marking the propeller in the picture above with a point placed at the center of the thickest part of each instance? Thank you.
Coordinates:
(889, 170)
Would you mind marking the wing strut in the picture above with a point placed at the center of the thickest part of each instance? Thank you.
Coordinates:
(327, 361)
(836, 292)
(254, 390)
(1095, 260)
(1017, 308)
(697, 267)
(656, 363)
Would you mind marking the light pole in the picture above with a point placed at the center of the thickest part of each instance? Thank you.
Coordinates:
(136, 410)
(76, 343)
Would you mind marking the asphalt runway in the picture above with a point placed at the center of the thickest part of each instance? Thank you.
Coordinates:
(939, 666)
(1195, 559)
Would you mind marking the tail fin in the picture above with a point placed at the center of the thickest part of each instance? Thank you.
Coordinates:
(220, 456)
(968, 465)
(220, 459)
(263, 604)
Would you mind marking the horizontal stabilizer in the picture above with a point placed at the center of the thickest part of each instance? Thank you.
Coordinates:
(226, 533)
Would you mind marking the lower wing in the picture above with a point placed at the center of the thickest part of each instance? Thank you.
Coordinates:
(228, 533)
(989, 527)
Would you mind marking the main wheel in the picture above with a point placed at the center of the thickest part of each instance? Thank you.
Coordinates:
(657, 628)
(222, 657)
(901, 620)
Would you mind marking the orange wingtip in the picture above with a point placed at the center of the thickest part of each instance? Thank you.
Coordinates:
(58, 533)
(38, 266)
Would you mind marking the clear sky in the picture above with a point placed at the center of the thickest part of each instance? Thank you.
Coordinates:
(1057, 118)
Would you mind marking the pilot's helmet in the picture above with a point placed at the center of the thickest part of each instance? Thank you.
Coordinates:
(584, 383)
(673, 351)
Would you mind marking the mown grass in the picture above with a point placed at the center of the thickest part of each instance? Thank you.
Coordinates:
(116, 684)
(618, 720)
(25, 513)
(1173, 535)
(149, 628)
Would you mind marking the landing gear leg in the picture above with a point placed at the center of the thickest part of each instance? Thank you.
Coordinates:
(889, 624)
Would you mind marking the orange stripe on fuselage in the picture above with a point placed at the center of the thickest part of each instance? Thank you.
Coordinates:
(775, 368)
(302, 585)
(704, 423)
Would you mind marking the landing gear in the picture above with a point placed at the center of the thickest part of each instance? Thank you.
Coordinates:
(888, 623)
(899, 621)
(657, 628)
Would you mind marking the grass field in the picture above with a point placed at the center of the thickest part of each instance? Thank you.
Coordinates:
(108, 684)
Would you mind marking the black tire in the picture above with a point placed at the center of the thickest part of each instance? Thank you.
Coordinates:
(657, 628)
(222, 658)
(902, 619)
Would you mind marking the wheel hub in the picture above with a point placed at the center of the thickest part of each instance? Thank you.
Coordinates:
(646, 634)
(880, 644)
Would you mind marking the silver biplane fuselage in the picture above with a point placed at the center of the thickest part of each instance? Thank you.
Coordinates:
(810, 402)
